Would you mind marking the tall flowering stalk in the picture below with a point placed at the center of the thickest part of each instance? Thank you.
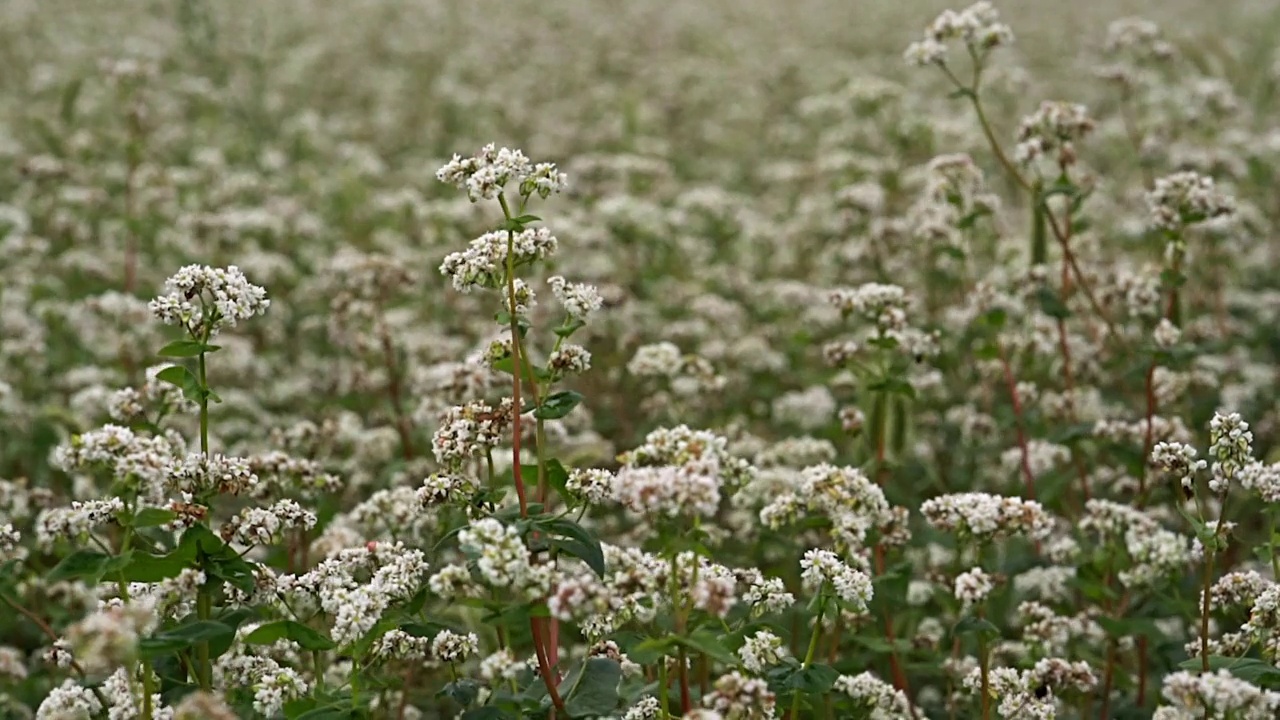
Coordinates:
(491, 262)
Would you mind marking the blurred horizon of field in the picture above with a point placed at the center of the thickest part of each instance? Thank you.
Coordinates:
(506, 67)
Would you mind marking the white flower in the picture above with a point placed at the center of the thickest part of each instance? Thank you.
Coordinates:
(823, 567)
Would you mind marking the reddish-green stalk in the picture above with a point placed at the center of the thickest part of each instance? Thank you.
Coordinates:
(1011, 384)
(545, 668)
(899, 675)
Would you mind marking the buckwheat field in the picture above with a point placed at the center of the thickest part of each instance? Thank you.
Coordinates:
(712, 360)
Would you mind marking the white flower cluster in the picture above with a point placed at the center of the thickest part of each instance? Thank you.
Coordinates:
(1263, 478)
(580, 300)
(761, 650)
(76, 521)
(766, 594)
(822, 567)
(973, 587)
(107, 639)
(978, 26)
(123, 453)
(486, 174)
(699, 450)
(1054, 128)
(1191, 696)
(1186, 198)
(854, 504)
(264, 526)
(199, 473)
(394, 573)
(224, 297)
(742, 698)
(884, 306)
(502, 558)
(451, 647)
(1230, 447)
(1179, 460)
(484, 263)
(986, 517)
(1030, 694)
(668, 490)
(69, 700)
(594, 485)
(470, 430)
(871, 693)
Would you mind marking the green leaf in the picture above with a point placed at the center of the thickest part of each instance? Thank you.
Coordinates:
(592, 688)
(651, 650)
(894, 386)
(488, 712)
(1130, 627)
(576, 540)
(557, 476)
(813, 680)
(333, 711)
(464, 691)
(1251, 670)
(976, 626)
(149, 568)
(153, 517)
(1051, 304)
(308, 638)
(557, 405)
(708, 643)
(570, 327)
(184, 379)
(67, 106)
(186, 349)
(185, 636)
(80, 564)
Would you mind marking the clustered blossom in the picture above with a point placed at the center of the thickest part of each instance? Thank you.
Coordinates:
(223, 297)
(76, 521)
(486, 174)
(986, 517)
(761, 650)
(105, 640)
(1186, 198)
(501, 556)
(854, 504)
(1030, 694)
(580, 300)
(823, 567)
(484, 263)
(870, 692)
(217, 473)
(766, 594)
(452, 647)
(972, 588)
(1230, 447)
(1191, 696)
(1055, 127)
(978, 26)
(265, 525)
(1179, 460)
(470, 430)
(338, 585)
(738, 697)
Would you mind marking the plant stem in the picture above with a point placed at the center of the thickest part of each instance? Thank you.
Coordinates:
(663, 700)
(545, 667)
(984, 661)
(204, 600)
(204, 611)
(808, 656)
(146, 691)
